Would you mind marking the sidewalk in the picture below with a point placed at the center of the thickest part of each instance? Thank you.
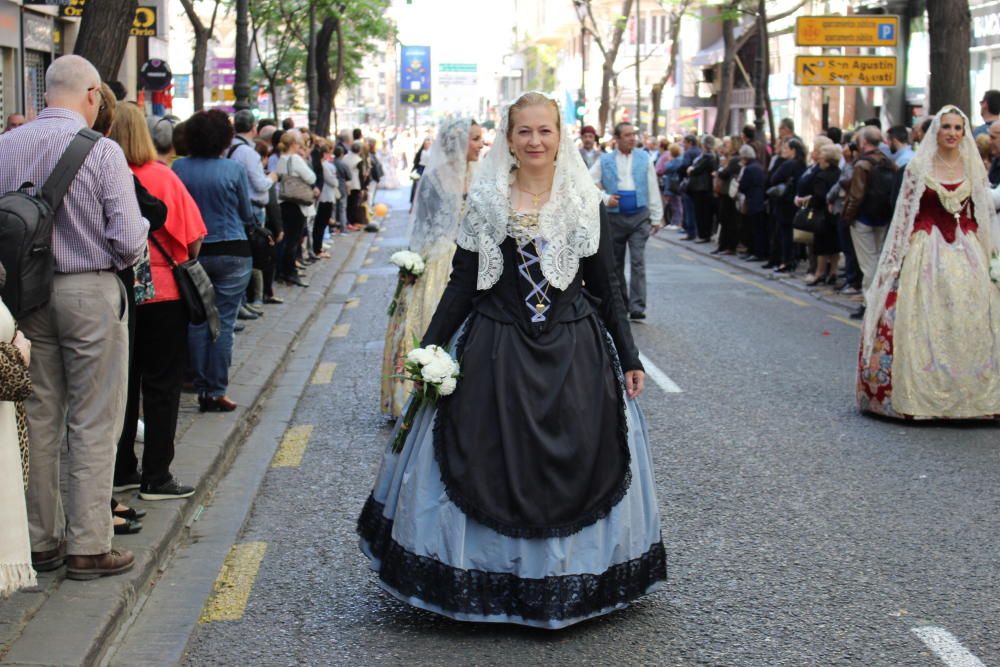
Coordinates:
(795, 280)
(63, 622)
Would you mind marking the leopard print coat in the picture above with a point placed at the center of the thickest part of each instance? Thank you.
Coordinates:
(15, 385)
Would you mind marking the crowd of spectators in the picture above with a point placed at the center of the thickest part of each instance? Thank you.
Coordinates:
(254, 204)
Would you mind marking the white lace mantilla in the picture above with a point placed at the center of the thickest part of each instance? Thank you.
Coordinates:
(569, 223)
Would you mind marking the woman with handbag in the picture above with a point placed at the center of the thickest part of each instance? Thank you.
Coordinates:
(729, 187)
(15, 385)
(781, 194)
(220, 189)
(813, 188)
(297, 195)
(161, 330)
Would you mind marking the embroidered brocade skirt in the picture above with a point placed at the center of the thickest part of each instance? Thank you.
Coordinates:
(431, 554)
(937, 347)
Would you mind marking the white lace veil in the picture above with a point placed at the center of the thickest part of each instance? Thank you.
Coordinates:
(897, 240)
(569, 223)
(437, 207)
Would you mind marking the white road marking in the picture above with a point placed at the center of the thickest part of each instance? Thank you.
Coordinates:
(658, 376)
(945, 646)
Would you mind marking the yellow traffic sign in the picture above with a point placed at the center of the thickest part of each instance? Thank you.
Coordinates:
(845, 70)
(847, 30)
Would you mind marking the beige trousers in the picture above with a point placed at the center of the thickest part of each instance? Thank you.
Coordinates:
(79, 366)
(868, 247)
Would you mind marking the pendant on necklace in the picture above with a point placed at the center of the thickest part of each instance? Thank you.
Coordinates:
(539, 308)
(534, 201)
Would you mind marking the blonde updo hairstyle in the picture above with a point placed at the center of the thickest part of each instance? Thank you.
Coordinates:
(530, 100)
(289, 139)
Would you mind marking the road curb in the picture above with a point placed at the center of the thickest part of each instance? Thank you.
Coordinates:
(87, 615)
(752, 269)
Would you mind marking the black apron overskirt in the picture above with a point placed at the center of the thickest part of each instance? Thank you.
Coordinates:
(534, 440)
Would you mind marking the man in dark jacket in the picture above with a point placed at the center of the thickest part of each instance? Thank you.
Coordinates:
(864, 209)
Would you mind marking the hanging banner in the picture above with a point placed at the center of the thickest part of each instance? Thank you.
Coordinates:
(415, 75)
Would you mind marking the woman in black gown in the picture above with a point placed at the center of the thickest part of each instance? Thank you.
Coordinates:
(527, 495)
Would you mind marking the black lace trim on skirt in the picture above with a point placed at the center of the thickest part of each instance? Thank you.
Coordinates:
(481, 593)
(600, 512)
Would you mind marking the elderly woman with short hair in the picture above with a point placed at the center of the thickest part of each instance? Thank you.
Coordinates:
(813, 188)
(700, 188)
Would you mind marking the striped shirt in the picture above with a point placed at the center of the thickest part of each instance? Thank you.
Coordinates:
(98, 226)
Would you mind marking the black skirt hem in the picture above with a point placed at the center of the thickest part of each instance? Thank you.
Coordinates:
(480, 515)
(482, 593)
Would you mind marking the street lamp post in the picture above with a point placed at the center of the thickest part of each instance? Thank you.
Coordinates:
(241, 86)
(311, 75)
(581, 13)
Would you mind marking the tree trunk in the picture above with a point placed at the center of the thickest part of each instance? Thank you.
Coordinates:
(198, 62)
(948, 22)
(605, 110)
(272, 88)
(726, 78)
(324, 84)
(104, 33)
(655, 96)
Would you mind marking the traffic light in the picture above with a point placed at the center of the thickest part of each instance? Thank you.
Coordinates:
(581, 107)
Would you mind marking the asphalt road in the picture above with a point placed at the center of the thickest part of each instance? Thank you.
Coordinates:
(798, 531)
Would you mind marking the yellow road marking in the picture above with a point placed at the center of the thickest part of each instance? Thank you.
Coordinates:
(324, 373)
(846, 321)
(352, 303)
(234, 583)
(770, 290)
(374, 248)
(368, 262)
(340, 331)
(362, 279)
(687, 257)
(293, 446)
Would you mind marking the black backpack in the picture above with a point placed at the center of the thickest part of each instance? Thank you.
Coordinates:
(876, 206)
(26, 230)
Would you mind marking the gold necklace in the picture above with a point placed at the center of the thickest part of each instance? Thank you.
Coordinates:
(951, 165)
(535, 199)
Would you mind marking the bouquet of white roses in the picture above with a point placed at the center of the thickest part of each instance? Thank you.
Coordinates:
(411, 265)
(436, 375)
(995, 267)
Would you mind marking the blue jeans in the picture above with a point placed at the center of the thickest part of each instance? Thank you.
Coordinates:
(690, 222)
(210, 361)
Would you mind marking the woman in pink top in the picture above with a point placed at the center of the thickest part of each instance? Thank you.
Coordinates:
(160, 353)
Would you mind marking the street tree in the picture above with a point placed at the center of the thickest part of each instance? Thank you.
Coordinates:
(608, 45)
(104, 33)
(202, 34)
(948, 24)
(346, 32)
(278, 56)
(677, 10)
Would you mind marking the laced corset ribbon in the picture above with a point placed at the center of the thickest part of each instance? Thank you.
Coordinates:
(523, 228)
(916, 179)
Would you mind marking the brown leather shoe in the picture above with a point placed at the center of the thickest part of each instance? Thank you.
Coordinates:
(83, 568)
(215, 404)
(46, 561)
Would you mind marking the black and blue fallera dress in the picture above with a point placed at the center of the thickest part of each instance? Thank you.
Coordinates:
(526, 496)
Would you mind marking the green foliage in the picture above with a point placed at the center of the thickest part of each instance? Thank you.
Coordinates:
(541, 61)
(283, 34)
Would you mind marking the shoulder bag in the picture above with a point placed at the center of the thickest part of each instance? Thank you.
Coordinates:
(293, 188)
(197, 292)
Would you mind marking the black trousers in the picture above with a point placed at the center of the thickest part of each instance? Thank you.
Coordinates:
(729, 224)
(704, 212)
(355, 216)
(157, 371)
(324, 211)
(294, 222)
